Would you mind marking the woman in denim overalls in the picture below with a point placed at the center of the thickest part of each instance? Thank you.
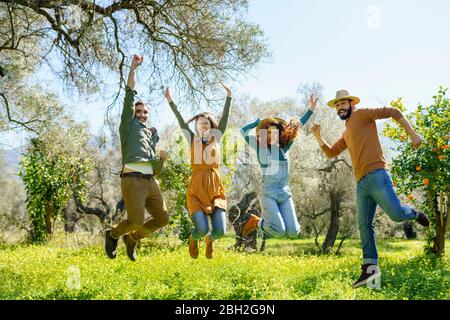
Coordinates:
(274, 138)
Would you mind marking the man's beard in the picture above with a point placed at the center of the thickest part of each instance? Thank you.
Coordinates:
(346, 115)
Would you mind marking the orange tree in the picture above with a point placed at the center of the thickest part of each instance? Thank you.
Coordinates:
(428, 167)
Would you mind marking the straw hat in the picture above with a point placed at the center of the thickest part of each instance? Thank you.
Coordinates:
(342, 95)
(268, 121)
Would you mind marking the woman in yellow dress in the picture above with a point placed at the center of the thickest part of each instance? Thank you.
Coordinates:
(206, 194)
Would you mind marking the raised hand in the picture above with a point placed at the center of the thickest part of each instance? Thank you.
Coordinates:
(313, 102)
(416, 141)
(294, 123)
(136, 61)
(167, 95)
(315, 129)
(227, 89)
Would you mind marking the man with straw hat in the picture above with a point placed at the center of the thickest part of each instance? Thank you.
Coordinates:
(374, 184)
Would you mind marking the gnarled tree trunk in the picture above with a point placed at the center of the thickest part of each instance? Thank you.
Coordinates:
(335, 216)
(238, 215)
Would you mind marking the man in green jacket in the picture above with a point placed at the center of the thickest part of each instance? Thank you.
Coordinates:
(140, 190)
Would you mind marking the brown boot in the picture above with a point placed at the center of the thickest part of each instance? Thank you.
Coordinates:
(209, 247)
(193, 248)
(250, 225)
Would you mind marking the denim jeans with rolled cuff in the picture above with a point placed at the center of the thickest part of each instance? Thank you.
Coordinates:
(376, 188)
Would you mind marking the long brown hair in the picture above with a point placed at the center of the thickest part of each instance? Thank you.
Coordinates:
(207, 115)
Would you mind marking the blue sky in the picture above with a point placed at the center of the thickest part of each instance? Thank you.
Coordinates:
(378, 50)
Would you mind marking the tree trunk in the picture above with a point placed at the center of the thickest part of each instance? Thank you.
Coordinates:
(335, 216)
(263, 243)
(237, 216)
(71, 217)
(48, 218)
(440, 209)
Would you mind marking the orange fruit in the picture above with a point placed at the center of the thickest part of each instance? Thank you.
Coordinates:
(441, 157)
(426, 181)
(418, 168)
(410, 197)
(435, 149)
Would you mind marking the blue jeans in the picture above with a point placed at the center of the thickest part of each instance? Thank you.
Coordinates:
(201, 227)
(376, 188)
(279, 218)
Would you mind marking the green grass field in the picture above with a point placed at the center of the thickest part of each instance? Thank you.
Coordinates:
(75, 267)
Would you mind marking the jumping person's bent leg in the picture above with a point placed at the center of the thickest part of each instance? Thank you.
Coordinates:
(134, 193)
(272, 222)
(366, 208)
(201, 227)
(287, 211)
(382, 191)
(219, 223)
(156, 206)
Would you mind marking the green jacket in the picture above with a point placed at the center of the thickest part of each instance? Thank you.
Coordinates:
(137, 140)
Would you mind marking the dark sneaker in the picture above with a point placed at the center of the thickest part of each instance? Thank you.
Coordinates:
(250, 225)
(422, 219)
(193, 248)
(369, 272)
(130, 244)
(209, 247)
(110, 245)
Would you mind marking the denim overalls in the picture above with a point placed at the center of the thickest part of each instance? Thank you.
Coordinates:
(279, 217)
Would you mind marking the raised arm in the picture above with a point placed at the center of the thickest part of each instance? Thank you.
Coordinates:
(332, 151)
(135, 63)
(183, 125)
(226, 110)
(128, 110)
(373, 114)
(245, 132)
(416, 139)
(312, 106)
(304, 119)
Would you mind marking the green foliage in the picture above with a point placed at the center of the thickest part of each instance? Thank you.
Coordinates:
(53, 169)
(229, 151)
(174, 182)
(63, 269)
(426, 168)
